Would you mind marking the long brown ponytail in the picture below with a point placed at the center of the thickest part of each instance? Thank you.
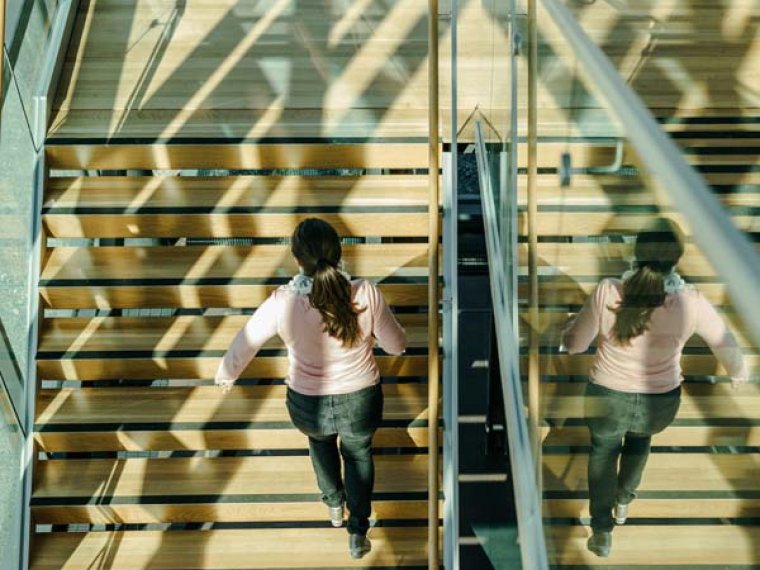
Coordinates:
(658, 249)
(316, 246)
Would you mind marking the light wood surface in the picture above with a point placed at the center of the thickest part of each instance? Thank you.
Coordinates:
(228, 512)
(196, 405)
(225, 549)
(659, 508)
(720, 545)
(195, 296)
(177, 438)
(117, 334)
(236, 156)
(698, 400)
(223, 262)
(242, 225)
(206, 478)
(664, 472)
(675, 435)
(172, 192)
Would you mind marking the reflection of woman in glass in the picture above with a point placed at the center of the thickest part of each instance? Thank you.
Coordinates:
(642, 323)
(329, 325)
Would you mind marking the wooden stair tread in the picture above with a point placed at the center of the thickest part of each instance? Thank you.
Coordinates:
(689, 546)
(176, 192)
(698, 401)
(661, 508)
(672, 472)
(676, 435)
(198, 405)
(236, 156)
(226, 549)
(229, 225)
(280, 510)
(137, 438)
(222, 262)
(125, 480)
(160, 334)
(239, 296)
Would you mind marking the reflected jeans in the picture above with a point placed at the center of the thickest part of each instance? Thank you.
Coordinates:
(353, 417)
(621, 426)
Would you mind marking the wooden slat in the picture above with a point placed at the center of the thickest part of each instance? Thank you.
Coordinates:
(92, 369)
(225, 549)
(223, 262)
(229, 512)
(675, 435)
(235, 156)
(646, 508)
(676, 472)
(698, 400)
(170, 192)
(270, 225)
(124, 480)
(77, 336)
(198, 405)
(174, 439)
(687, 546)
(194, 296)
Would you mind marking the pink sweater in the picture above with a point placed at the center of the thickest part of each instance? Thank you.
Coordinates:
(651, 363)
(319, 364)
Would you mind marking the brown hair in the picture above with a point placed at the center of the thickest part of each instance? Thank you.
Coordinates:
(658, 249)
(316, 246)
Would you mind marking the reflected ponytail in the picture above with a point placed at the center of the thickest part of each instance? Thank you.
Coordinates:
(658, 249)
(317, 248)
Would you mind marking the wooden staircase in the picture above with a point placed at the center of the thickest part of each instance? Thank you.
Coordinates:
(145, 280)
(699, 504)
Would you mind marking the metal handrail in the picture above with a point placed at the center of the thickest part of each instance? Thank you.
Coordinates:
(726, 248)
(2, 56)
(528, 502)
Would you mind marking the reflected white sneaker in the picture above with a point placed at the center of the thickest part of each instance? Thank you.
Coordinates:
(336, 515)
(621, 513)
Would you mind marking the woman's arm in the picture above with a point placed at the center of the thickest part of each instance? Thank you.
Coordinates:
(712, 328)
(581, 330)
(260, 328)
(385, 328)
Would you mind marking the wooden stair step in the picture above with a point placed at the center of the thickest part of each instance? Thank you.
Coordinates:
(78, 336)
(657, 508)
(232, 225)
(671, 472)
(200, 405)
(136, 438)
(569, 291)
(698, 400)
(677, 435)
(691, 364)
(687, 546)
(140, 193)
(239, 296)
(247, 549)
(235, 156)
(278, 510)
(228, 263)
(82, 481)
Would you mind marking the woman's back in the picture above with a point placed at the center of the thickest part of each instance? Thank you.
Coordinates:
(649, 362)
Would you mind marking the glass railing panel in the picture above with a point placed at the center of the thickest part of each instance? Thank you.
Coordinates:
(11, 450)
(18, 158)
(598, 190)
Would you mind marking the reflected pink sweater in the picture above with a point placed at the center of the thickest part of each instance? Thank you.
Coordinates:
(651, 363)
(319, 364)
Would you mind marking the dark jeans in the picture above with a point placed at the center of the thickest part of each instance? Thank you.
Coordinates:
(621, 426)
(354, 417)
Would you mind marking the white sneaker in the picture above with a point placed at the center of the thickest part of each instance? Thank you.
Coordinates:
(621, 514)
(336, 516)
